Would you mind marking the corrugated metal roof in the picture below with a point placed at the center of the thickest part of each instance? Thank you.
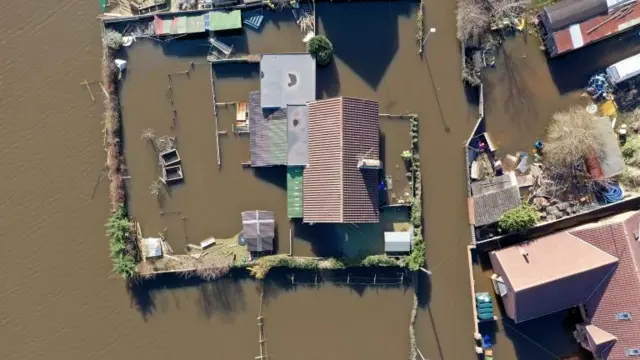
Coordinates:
(562, 41)
(567, 12)
(179, 24)
(488, 208)
(224, 20)
(297, 135)
(287, 79)
(491, 184)
(258, 229)
(294, 192)
(268, 134)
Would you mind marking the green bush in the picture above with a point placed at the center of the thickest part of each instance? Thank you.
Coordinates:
(418, 252)
(379, 260)
(518, 219)
(118, 231)
(631, 151)
(406, 155)
(321, 48)
(125, 266)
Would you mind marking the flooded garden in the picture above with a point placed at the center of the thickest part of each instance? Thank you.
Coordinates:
(376, 57)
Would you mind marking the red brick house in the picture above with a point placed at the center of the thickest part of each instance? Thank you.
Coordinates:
(594, 267)
(342, 175)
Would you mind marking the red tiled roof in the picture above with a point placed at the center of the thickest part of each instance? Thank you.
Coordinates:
(614, 292)
(539, 270)
(560, 41)
(341, 132)
(621, 291)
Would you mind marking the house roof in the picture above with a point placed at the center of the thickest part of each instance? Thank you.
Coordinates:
(287, 79)
(223, 20)
(620, 292)
(267, 134)
(297, 135)
(615, 287)
(258, 229)
(610, 158)
(342, 131)
(397, 241)
(492, 184)
(294, 191)
(543, 272)
(487, 208)
(568, 12)
(600, 341)
(584, 32)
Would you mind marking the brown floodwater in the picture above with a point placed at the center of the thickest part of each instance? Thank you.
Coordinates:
(58, 297)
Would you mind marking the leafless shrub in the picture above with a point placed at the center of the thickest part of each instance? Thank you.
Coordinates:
(148, 134)
(155, 188)
(507, 9)
(572, 135)
(473, 20)
(146, 270)
(212, 272)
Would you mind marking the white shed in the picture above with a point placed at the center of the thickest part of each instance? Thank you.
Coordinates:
(152, 247)
(398, 241)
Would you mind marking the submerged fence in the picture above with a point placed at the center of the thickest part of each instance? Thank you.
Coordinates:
(315, 278)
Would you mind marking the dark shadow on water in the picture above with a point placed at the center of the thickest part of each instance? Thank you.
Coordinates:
(549, 337)
(276, 175)
(422, 288)
(360, 280)
(236, 70)
(196, 46)
(572, 71)
(365, 37)
(276, 18)
(327, 81)
(383, 196)
(237, 41)
(519, 95)
(221, 298)
(323, 238)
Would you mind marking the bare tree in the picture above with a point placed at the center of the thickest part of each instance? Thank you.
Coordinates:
(572, 135)
(473, 20)
(507, 9)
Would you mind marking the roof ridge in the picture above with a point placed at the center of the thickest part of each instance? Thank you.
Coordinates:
(630, 246)
(342, 122)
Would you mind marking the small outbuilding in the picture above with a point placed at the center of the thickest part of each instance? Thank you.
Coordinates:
(152, 247)
(398, 241)
(258, 230)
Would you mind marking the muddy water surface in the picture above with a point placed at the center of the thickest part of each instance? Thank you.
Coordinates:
(58, 298)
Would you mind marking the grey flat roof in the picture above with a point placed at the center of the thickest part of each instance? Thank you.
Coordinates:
(297, 135)
(611, 161)
(287, 79)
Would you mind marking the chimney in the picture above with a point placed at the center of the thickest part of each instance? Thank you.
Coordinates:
(524, 253)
